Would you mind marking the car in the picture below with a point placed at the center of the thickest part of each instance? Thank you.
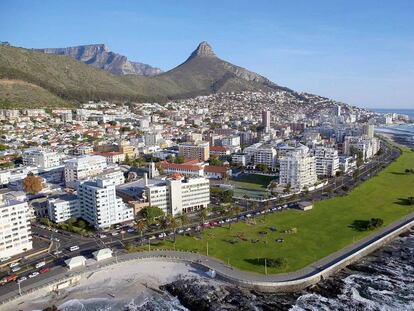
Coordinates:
(44, 270)
(57, 253)
(13, 264)
(22, 279)
(188, 229)
(162, 235)
(180, 231)
(102, 236)
(152, 237)
(34, 274)
(130, 230)
(4, 259)
(15, 269)
(73, 248)
(114, 233)
(40, 264)
(249, 215)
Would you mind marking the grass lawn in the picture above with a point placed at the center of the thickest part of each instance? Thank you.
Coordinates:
(321, 231)
(253, 185)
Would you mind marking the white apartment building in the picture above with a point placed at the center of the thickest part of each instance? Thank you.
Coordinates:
(41, 158)
(327, 161)
(240, 158)
(83, 168)
(367, 146)
(99, 204)
(260, 153)
(298, 169)
(178, 196)
(64, 208)
(15, 231)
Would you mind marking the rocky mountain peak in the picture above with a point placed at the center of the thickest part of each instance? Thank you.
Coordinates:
(204, 50)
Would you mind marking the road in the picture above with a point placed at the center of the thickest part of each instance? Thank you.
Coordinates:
(64, 240)
(229, 273)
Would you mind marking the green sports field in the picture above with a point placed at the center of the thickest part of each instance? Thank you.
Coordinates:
(320, 232)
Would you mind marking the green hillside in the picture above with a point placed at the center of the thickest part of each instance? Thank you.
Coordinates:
(73, 81)
(21, 94)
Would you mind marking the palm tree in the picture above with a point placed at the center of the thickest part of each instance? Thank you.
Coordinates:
(141, 225)
(230, 212)
(203, 214)
(266, 208)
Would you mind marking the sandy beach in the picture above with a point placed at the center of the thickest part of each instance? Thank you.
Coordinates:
(119, 283)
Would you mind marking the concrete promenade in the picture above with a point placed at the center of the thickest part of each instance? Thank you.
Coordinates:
(275, 283)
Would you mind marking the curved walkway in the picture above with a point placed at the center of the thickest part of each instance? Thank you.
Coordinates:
(279, 282)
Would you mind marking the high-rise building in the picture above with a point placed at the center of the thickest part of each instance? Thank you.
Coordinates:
(266, 120)
(41, 158)
(99, 204)
(176, 196)
(338, 111)
(83, 168)
(298, 169)
(15, 230)
(261, 154)
(327, 161)
(195, 151)
(368, 130)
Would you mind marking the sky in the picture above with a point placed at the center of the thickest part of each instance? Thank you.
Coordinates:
(357, 52)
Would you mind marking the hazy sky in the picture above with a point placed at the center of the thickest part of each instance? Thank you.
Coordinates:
(360, 52)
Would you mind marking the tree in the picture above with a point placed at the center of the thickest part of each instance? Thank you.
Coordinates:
(174, 223)
(230, 212)
(151, 213)
(141, 226)
(32, 184)
(262, 167)
(184, 219)
(179, 160)
(203, 214)
(164, 222)
(214, 160)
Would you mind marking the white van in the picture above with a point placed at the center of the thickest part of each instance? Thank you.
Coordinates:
(74, 248)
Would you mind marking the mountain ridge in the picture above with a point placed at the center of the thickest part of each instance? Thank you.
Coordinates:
(203, 73)
(100, 56)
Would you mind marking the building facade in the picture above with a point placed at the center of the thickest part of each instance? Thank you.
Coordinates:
(15, 230)
(195, 151)
(83, 168)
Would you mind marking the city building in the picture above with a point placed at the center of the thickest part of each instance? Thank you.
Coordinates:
(363, 145)
(266, 120)
(63, 208)
(219, 151)
(82, 168)
(368, 130)
(298, 169)
(260, 153)
(99, 204)
(41, 158)
(327, 161)
(179, 195)
(15, 230)
(197, 150)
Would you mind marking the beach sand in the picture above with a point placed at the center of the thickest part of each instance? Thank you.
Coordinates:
(119, 282)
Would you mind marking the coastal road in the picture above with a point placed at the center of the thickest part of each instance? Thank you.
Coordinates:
(229, 273)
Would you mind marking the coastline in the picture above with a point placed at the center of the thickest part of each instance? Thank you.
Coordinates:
(118, 284)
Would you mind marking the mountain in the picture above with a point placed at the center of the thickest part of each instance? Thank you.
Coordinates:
(98, 55)
(202, 73)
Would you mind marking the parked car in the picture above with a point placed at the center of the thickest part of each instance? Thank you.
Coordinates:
(57, 253)
(4, 259)
(44, 270)
(14, 264)
(15, 269)
(40, 264)
(102, 236)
